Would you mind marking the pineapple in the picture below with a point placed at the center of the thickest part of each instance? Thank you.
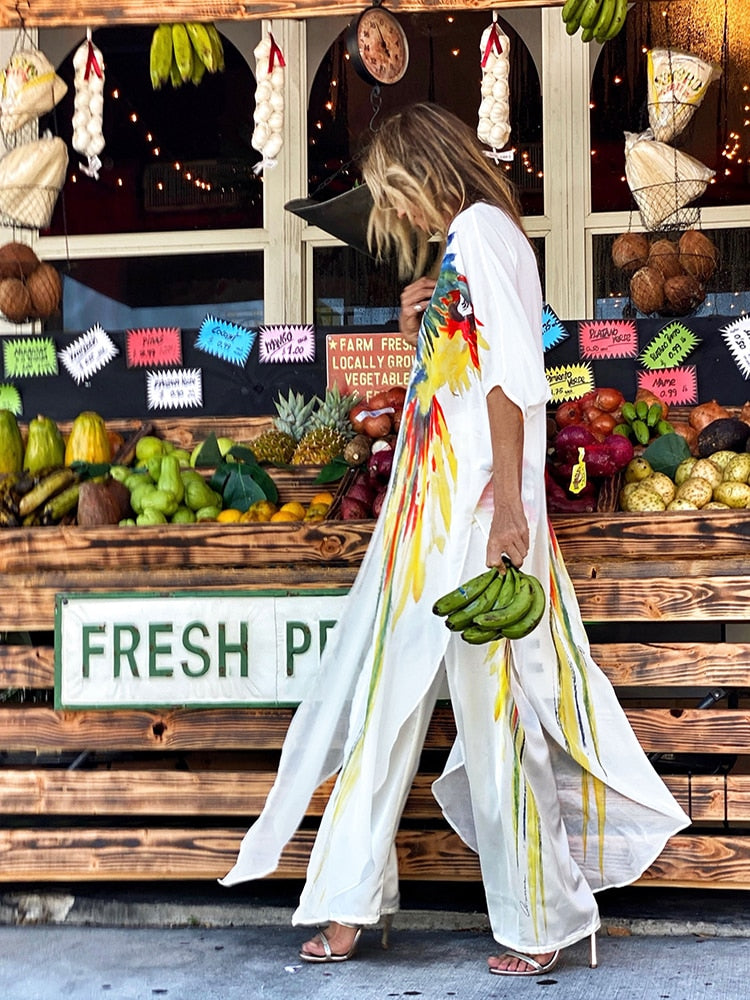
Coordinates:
(319, 446)
(277, 445)
(328, 432)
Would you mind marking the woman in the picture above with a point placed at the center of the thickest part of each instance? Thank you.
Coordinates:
(546, 780)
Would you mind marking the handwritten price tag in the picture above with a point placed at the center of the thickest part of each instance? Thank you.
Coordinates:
(553, 331)
(225, 340)
(31, 356)
(88, 354)
(177, 388)
(569, 381)
(603, 338)
(670, 347)
(674, 385)
(10, 399)
(153, 347)
(737, 338)
(286, 343)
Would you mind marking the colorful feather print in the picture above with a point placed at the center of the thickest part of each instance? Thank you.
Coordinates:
(573, 704)
(417, 516)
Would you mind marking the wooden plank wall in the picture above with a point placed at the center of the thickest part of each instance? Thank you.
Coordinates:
(139, 795)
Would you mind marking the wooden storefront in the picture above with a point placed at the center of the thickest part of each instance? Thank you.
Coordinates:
(167, 794)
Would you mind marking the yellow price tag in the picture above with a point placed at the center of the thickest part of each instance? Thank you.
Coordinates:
(578, 473)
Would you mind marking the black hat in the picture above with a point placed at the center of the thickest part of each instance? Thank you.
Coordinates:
(345, 216)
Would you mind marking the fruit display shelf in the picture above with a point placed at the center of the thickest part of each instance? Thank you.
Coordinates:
(168, 793)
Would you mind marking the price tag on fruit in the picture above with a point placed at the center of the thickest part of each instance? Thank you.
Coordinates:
(737, 338)
(174, 389)
(88, 354)
(31, 356)
(669, 348)
(10, 399)
(676, 386)
(604, 338)
(289, 342)
(569, 381)
(225, 340)
(153, 347)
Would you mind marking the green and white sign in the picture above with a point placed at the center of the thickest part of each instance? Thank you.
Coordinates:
(193, 648)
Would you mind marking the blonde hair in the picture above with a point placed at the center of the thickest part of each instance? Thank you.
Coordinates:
(425, 158)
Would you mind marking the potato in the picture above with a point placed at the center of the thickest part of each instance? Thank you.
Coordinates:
(660, 483)
(683, 470)
(738, 469)
(733, 494)
(707, 470)
(681, 505)
(644, 499)
(695, 490)
(722, 458)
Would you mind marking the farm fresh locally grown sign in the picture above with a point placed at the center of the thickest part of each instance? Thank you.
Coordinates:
(136, 650)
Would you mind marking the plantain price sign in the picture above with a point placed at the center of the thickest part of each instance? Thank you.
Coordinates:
(191, 648)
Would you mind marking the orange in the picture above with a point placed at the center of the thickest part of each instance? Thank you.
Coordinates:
(322, 498)
(295, 508)
(284, 515)
(229, 516)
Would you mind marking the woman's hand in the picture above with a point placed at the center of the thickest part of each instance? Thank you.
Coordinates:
(414, 300)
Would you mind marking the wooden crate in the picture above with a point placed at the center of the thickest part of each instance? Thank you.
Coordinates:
(138, 795)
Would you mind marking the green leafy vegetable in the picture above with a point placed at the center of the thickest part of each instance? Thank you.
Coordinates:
(665, 453)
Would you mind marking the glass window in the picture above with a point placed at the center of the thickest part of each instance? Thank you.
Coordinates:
(717, 134)
(175, 158)
(727, 291)
(128, 292)
(444, 67)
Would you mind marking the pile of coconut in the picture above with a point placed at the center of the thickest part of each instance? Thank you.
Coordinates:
(666, 276)
(29, 288)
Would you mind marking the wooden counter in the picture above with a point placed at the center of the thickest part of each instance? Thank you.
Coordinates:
(155, 794)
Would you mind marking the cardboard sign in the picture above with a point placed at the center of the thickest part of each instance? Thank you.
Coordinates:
(676, 386)
(366, 362)
(88, 354)
(289, 342)
(153, 347)
(670, 347)
(176, 388)
(225, 340)
(569, 381)
(553, 331)
(603, 338)
(737, 338)
(30, 356)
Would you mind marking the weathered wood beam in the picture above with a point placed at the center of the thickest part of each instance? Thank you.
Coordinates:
(65, 13)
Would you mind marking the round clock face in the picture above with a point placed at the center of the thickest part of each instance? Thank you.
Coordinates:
(378, 47)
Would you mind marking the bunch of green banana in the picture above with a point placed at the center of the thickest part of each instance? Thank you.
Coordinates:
(494, 606)
(183, 51)
(39, 498)
(599, 20)
(642, 421)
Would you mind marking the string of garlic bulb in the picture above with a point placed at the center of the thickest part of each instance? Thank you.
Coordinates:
(494, 110)
(269, 102)
(88, 106)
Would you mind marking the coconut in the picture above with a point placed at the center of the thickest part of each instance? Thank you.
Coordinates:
(45, 288)
(647, 290)
(630, 251)
(664, 255)
(17, 260)
(684, 293)
(15, 301)
(698, 254)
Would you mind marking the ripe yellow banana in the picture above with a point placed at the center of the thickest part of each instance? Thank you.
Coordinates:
(183, 51)
(200, 40)
(160, 55)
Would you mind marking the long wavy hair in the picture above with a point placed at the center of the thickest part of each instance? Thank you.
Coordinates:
(425, 158)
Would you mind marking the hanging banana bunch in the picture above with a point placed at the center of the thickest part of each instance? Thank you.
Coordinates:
(599, 20)
(88, 106)
(183, 52)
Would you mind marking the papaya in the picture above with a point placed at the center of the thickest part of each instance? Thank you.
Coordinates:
(44, 446)
(88, 440)
(11, 443)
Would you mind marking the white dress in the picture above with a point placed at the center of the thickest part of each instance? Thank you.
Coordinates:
(546, 779)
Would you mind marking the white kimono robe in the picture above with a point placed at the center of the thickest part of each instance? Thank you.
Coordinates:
(546, 779)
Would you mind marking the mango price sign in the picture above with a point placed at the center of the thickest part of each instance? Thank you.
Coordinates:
(198, 649)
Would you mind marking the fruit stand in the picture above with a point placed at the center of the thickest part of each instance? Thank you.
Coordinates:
(136, 794)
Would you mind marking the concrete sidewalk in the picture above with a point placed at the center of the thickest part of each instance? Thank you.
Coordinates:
(261, 963)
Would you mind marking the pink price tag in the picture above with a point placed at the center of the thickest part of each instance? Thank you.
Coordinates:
(676, 386)
(154, 348)
(605, 338)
